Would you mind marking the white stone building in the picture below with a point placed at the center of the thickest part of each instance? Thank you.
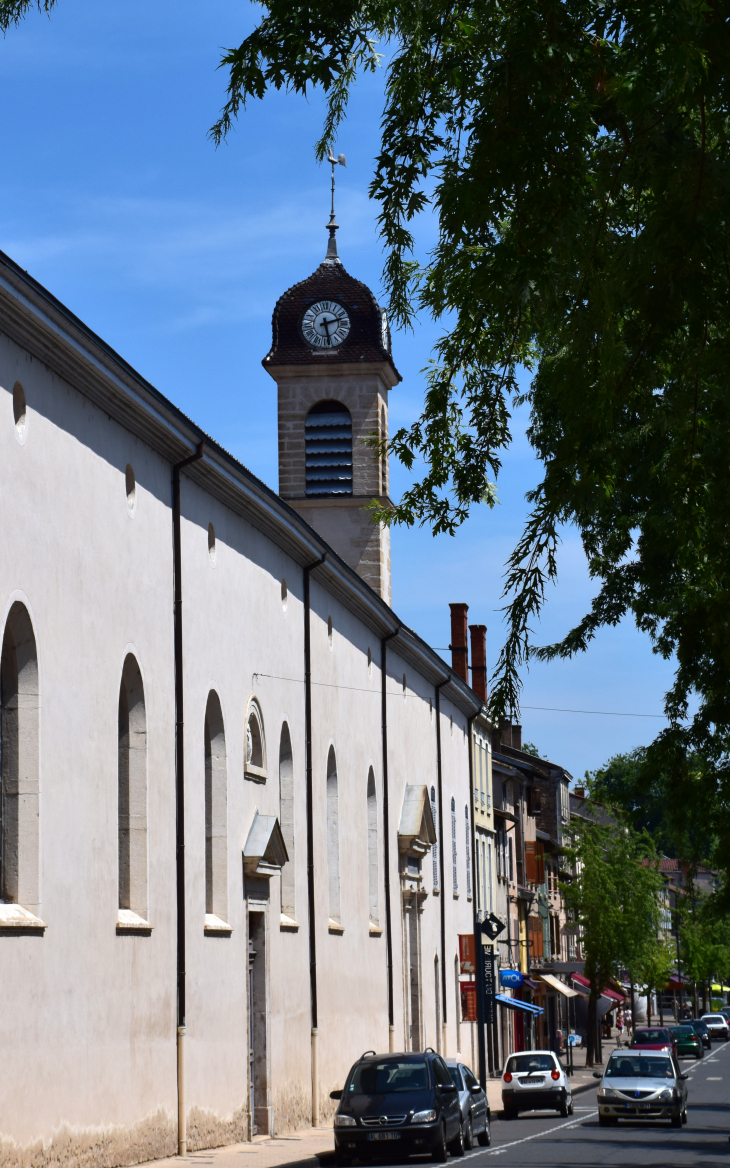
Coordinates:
(218, 750)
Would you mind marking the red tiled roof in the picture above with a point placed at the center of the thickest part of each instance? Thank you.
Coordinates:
(329, 282)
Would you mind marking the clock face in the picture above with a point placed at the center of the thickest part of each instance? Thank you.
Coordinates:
(325, 324)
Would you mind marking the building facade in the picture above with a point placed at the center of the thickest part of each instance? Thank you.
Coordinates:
(236, 789)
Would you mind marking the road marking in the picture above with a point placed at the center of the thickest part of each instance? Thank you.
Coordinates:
(548, 1132)
(714, 1078)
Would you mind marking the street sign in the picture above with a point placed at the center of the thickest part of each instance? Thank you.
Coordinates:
(492, 926)
(511, 977)
(489, 986)
(467, 953)
(468, 991)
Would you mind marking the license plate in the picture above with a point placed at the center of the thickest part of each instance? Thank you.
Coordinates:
(640, 1106)
(383, 1135)
(533, 1082)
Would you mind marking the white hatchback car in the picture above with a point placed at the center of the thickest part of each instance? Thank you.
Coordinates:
(717, 1026)
(534, 1081)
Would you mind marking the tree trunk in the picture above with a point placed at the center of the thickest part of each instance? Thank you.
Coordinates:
(591, 1028)
(633, 1006)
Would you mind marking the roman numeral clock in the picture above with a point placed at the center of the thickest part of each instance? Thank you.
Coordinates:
(325, 325)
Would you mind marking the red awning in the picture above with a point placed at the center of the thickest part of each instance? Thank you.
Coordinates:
(604, 993)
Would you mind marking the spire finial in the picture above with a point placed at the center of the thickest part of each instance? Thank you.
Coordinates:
(331, 255)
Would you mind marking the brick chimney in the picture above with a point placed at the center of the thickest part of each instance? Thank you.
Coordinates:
(479, 661)
(516, 736)
(458, 646)
(580, 792)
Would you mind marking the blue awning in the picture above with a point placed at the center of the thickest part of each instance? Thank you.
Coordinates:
(516, 1004)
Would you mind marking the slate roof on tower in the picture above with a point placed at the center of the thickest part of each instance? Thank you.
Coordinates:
(364, 342)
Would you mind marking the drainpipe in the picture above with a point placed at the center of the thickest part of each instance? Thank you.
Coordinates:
(182, 1138)
(386, 833)
(310, 841)
(478, 946)
(438, 689)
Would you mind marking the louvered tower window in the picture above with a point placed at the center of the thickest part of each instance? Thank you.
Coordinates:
(328, 438)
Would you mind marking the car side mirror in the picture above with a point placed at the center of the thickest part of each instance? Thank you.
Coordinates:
(475, 1089)
(449, 1088)
(684, 1076)
(597, 1075)
(335, 1094)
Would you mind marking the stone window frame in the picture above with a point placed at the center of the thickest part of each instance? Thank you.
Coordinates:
(254, 757)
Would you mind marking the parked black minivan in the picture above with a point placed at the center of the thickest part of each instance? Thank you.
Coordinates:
(397, 1105)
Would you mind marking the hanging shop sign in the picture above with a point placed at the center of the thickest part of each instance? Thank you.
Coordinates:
(467, 953)
(468, 991)
(511, 977)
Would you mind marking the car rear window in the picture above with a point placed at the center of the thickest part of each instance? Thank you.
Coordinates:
(682, 1031)
(710, 1019)
(623, 1066)
(386, 1075)
(652, 1035)
(519, 1063)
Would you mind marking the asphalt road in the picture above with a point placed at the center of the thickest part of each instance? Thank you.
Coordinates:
(543, 1140)
(539, 1138)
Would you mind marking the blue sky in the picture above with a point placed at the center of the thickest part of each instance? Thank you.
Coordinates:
(113, 197)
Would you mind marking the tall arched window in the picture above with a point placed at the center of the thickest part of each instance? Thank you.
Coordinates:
(372, 849)
(255, 764)
(333, 838)
(20, 795)
(216, 810)
(328, 441)
(132, 799)
(468, 852)
(434, 847)
(453, 846)
(286, 819)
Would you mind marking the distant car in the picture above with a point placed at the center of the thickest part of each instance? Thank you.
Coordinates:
(687, 1040)
(399, 1104)
(535, 1081)
(701, 1028)
(657, 1038)
(475, 1115)
(717, 1025)
(725, 1011)
(641, 1084)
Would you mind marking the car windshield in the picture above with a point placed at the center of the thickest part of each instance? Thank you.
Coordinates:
(653, 1036)
(623, 1066)
(380, 1078)
(519, 1063)
(456, 1077)
(682, 1031)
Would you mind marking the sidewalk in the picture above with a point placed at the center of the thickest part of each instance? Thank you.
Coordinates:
(301, 1149)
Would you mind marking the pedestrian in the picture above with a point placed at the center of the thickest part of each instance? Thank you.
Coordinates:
(620, 1025)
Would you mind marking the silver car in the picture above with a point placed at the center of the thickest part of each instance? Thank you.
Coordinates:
(641, 1084)
(475, 1115)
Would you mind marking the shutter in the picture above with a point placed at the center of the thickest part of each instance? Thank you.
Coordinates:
(530, 862)
(468, 853)
(540, 861)
(434, 847)
(453, 846)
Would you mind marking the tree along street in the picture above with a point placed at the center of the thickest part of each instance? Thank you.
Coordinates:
(539, 1138)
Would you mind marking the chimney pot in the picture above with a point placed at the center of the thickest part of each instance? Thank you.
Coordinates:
(516, 736)
(479, 661)
(580, 792)
(459, 647)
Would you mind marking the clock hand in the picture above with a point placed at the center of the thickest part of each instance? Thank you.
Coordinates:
(326, 322)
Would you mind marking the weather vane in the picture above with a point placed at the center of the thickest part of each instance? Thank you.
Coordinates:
(332, 225)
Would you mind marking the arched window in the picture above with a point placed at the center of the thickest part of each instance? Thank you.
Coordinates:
(372, 848)
(20, 801)
(328, 441)
(132, 801)
(434, 847)
(453, 846)
(384, 438)
(333, 838)
(468, 852)
(255, 765)
(286, 819)
(216, 810)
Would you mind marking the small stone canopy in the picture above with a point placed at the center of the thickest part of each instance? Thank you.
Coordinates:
(416, 830)
(264, 853)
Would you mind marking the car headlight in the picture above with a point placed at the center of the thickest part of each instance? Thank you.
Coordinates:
(606, 1093)
(666, 1096)
(345, 1121)
(424, 1117)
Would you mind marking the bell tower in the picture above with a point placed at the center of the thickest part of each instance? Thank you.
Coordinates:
(331, 360)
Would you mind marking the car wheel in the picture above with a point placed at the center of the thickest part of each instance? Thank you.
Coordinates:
(684, 1116)
(484, 1138)
(456, 1147)
(469, 1135)
(604, 1121)
(570, 1106)
(701, 1053)
(439, 1149)
(509, 1113)
(676, 1121)
(563, 1109)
